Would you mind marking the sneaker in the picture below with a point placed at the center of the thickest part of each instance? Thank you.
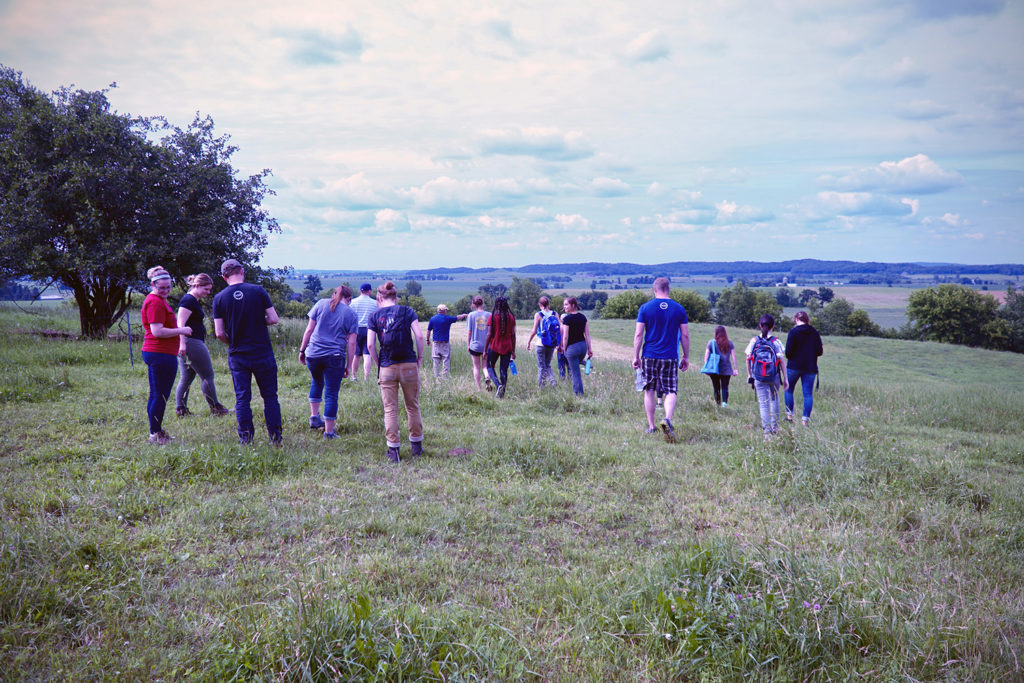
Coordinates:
(724, 404)
(330, 435)
(159, 438)
(501, 391)
(392, 454)
(417, 448)
(805, 421)
(650, 430)
(488, 384)
(276, 440)
(315, 422)
(666, 428)
(219, 410)
(183, 412)
(789, 416)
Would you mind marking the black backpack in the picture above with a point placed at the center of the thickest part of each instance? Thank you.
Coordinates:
(395, 333)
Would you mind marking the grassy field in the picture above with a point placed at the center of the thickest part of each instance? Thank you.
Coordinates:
(542, 537)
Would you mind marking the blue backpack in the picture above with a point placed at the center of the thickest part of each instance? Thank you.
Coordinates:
(550, 331)
(764, 360)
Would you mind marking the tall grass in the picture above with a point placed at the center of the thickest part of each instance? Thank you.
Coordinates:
(543, 537)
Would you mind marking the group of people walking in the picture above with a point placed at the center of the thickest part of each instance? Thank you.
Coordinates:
(379, 331)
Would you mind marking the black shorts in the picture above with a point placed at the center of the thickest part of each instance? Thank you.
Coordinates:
(475, 353)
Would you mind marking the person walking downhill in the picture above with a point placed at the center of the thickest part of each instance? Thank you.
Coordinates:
(439, 327)
(363, 305)
(476, 339)
(242, 312)
(803, 348)
(724, 367)
(501, 343)
(766, 368)
(159, 350)
(398, 363)
(662, 331)
(327, 344)
(575, 341)
(193, 356)
(548, 331)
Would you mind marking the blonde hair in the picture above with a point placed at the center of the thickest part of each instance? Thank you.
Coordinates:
(199, 280)
(157, 273)
(387, 291)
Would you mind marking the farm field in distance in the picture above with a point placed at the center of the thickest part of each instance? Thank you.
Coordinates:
(542, 537)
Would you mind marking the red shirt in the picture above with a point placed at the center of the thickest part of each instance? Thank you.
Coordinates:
(156, 310)
(498, 343)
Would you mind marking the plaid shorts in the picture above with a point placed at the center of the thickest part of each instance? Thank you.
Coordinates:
(660, 374)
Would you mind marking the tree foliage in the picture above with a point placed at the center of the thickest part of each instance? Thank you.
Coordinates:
(626, 305)
(1012, 312)
(953, 314)
(698, 309)
(89, 199)
(522, 297)
(741, 306)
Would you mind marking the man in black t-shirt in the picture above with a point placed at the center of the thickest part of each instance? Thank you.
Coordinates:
(241, 314)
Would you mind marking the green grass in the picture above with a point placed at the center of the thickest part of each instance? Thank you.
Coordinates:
(542, 537)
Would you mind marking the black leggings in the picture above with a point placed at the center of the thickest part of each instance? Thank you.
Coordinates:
(721, 385)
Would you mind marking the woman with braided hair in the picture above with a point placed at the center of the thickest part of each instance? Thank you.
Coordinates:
(501, 342)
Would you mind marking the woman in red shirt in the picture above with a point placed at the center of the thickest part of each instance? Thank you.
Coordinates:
(159, 349)
(501, 342)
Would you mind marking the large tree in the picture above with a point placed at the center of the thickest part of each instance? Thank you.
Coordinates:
(90, 197)
(952, 314)
(742, 306)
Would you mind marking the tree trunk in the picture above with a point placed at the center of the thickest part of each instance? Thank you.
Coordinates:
(100, 303)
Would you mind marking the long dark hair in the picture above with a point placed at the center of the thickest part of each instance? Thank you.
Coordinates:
(722, 339)
(502, 314)
(767, 324)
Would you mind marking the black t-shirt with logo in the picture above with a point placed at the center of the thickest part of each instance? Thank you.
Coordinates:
(243, 308)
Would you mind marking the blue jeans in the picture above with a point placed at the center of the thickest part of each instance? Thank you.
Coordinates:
(544, 354)
(768, 405)
(563, 365)
(163, 367)
(329, 370)
(574, 355)
(806, 386)
(264, 369)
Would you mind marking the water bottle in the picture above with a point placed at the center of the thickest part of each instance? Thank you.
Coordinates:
(512, 367)
(586, 367)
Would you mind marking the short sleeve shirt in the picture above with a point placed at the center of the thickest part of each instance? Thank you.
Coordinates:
(577, 324)
(156, 310)
(195, 316)
(363, 306)
(503, 344)
(661, 319)
(243, 308)
(388, 323)
(725, 364)
(477, 324)
(441, 326)
(330, 336)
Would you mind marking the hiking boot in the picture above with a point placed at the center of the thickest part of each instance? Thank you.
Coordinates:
(315, 422)
(392, 454)
(488, 385)
(219, 410)
(417, 448)
(183, 411)
(330, 435)
(666, 428)
(501, 391)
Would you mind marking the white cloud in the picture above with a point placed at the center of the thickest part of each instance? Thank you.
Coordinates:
(572, 222)
(648, 47)
(831, 204)
(917, 174)
(389, 220)
(951, 220)
(550, 144)
(610, 187)
(448, 196)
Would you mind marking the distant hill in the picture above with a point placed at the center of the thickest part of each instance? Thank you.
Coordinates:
(798, 267)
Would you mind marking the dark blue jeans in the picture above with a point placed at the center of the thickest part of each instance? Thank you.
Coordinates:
(329, 371)
(492, 359)
(163, 367)
(806, 385)
(264, 369)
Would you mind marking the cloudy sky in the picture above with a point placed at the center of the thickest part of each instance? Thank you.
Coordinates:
(450, 132)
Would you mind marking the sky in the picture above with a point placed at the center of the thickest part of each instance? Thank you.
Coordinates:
(444, 133)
